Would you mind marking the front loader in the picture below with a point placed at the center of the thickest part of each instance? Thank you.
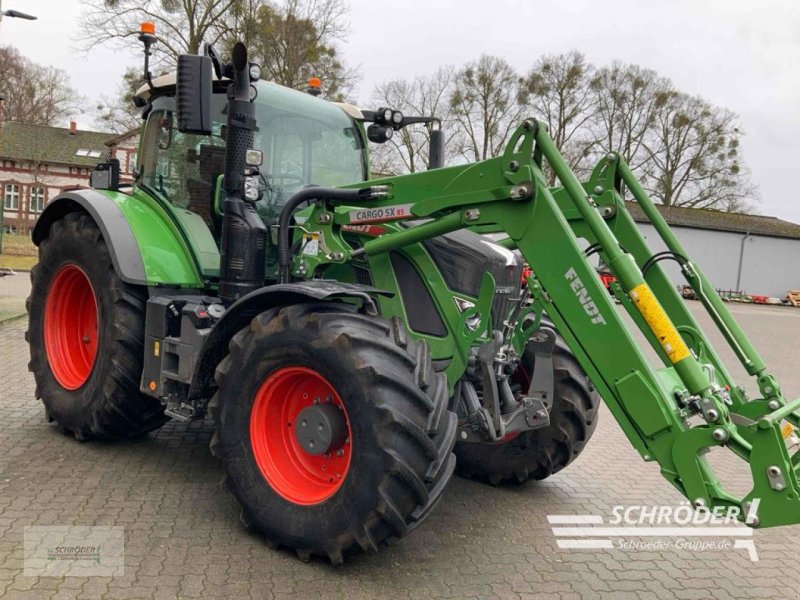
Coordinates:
(356, 341)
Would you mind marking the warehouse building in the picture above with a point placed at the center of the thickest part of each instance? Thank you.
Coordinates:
(754, 254)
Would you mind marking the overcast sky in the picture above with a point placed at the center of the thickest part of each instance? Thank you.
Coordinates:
(741, 54)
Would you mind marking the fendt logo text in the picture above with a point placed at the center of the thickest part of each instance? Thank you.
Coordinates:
(583, 295)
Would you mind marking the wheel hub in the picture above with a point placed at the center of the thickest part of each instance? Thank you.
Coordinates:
(321, 428)
(300, 435)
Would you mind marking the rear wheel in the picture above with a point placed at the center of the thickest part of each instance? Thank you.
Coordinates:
(539, 453)
(85, 331)
(333, 429)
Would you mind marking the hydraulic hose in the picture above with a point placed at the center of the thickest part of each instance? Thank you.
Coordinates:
(306, 195)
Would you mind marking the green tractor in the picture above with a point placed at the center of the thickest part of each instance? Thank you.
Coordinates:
(357, 341)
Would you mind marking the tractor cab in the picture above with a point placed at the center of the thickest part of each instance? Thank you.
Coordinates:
(303, 141)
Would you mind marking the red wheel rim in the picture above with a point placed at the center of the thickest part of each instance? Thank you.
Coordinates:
(70, 327)
(296, 475)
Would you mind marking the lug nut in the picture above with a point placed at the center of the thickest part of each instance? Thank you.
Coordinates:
(712, 414)
(720, 434)
(774, 405)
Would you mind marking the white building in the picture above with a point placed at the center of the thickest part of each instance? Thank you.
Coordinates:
(753, 254)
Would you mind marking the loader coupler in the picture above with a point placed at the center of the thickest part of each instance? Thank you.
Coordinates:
(765, 444)
(774, 476)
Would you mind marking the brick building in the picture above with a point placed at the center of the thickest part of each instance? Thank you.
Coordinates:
(38, 162)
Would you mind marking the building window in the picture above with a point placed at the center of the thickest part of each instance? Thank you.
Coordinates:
(8, 164)
(10, 229)
(36, 199)
(132, 156)
(11, 197)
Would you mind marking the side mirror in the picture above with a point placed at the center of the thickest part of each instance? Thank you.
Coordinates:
(436, 150)
(105, 176)
(193, 92)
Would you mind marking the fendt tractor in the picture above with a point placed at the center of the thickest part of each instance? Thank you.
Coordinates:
(357, 341)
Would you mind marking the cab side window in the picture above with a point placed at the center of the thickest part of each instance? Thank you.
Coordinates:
(183, 168)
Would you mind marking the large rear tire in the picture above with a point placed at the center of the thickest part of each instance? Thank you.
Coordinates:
(383, 404)
(539, 453)
(86, 333)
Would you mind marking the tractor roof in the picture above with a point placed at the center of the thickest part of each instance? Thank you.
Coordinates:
(164, 82)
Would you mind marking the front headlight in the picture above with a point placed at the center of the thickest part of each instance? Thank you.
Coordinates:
(252, 188)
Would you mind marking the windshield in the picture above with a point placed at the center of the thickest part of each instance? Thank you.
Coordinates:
(303, 140)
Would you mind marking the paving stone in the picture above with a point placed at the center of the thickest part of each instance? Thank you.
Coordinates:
(184, 539)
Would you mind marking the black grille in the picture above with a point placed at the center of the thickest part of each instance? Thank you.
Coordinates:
(463, 257)
(421, 311)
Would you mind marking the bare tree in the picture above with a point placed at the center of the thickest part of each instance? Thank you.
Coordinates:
(182, 25)
(291, 39)
(118, 114)
(34, 93)
(407, 151)
(486, 106)
(693, 154)
(625, 109)
(297, 39)
(558, 90)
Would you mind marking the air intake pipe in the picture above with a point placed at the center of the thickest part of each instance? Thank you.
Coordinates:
(244, 235)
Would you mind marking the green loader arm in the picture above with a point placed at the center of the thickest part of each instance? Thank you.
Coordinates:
(672, 413)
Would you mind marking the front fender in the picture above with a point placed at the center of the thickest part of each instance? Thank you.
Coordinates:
(244, 310)
(146, 246)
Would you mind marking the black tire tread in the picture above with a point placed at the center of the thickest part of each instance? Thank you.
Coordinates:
(120, 409)
(410, 400)
(537, 454)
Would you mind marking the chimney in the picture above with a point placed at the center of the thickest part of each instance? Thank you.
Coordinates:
(73, 128)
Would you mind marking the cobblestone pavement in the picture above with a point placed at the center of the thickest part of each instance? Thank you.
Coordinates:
(13, 291)
(183, 537)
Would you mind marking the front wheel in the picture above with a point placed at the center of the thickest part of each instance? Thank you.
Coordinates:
(86, 335)
(333, 429)
(538, 453)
